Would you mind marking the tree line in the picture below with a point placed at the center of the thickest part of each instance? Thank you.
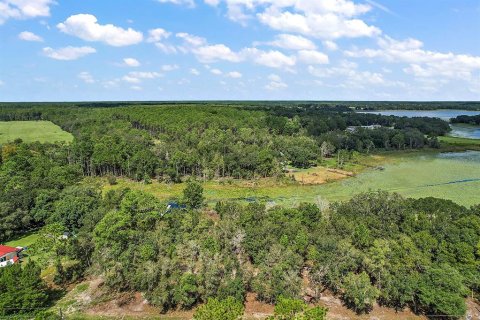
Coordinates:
(170, 142)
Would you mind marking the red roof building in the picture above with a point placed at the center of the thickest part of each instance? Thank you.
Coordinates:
(8, 255)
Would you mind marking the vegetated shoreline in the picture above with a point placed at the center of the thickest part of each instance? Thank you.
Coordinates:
(288, 192)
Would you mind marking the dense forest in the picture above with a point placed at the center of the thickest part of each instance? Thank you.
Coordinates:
(169, 142)
(375, 248)
(473, 120)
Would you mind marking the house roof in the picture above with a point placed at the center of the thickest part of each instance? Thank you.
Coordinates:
(6, 249)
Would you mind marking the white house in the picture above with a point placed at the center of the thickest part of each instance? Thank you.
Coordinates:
(8, 256)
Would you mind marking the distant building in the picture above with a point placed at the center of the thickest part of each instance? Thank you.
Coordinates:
(8, 256)
(371, 127)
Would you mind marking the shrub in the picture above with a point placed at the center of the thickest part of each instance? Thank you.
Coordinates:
(228, 309)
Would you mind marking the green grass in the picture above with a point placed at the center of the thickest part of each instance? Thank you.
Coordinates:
(457, 141)
(414, 174)
(32, 131)
(24, 241)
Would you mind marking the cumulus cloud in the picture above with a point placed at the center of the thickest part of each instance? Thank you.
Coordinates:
(272, 58)
(234, 75)
(166, 48)
(156, 35)
(212, 53)
(137, 77)
(131, 62)
(86, 77)
(216, 72)
(170, 67)
(195, 72)
(348, 75)
(326, 19)
(323, 26)
(29, 36)
(86, 27)
(330, 45)
(312, 57)
(191, 40)
(276, 83)
(421, 63)
(292, 42)
(24, 9)
(68, 53)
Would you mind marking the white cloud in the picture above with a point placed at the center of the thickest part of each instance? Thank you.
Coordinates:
(169, 67)
(234, 75)
(330, 45)
(191, 40)
(323, 26)
(348, 76)
(292, 42)
(312, 57)
(166, 48)
(137, 77)
(86, 77)
(156, 35)
(212, 53)
(421, 63)
(276, 83)
(216, 72)
(272, 58)
(195, 72)
(2, 83)
(136, 88)
(68, 53)
(131, 62)
(85, 27)
(29, 36)
(24, 9)
(324, 19)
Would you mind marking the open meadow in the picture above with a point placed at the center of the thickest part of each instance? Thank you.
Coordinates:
(32, 131)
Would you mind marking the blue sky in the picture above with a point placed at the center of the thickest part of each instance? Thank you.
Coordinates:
(239, 50)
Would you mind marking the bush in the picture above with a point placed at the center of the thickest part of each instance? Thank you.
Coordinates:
(112, 180)
(294, 309)
(228, 309)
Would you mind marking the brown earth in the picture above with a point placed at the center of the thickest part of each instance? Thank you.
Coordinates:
(320, 175)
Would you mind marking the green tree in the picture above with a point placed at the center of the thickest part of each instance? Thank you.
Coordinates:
(442, 292)
(358, 292)
(22, 290)
(193, 195)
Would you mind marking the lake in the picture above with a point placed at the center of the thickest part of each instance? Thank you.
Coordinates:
(445, 114)
(458, 130)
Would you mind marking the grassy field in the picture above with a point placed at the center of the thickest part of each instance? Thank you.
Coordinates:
(454, 176)
(460, 142)
(25, 241)
(31, 131)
